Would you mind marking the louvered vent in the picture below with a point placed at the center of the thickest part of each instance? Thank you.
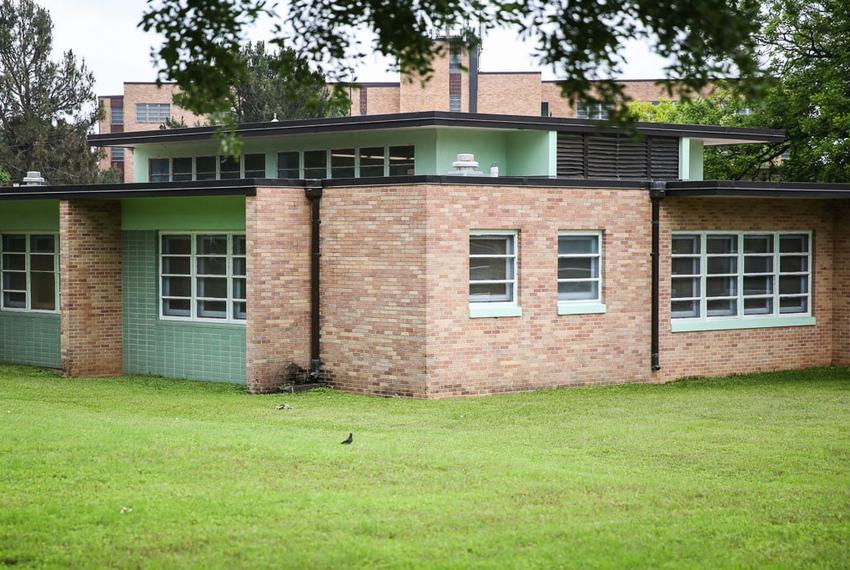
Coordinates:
(617, 156)
(664, 158)
(571, 156)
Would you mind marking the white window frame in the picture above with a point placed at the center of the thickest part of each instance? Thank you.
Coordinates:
(193, 268)
(145, 117)
(26, 271)
(480, 309)
(583, 306)
(740, 320)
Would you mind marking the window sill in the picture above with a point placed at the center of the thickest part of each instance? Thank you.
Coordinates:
(169, 321)
(487, 310)
(721, 324)
(26, 313)
(573, 308)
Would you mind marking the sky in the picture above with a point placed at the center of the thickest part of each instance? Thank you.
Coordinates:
(105, 34)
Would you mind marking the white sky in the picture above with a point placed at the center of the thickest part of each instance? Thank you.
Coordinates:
(105, 34)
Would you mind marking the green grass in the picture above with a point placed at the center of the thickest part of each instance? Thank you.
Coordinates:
(747, 471)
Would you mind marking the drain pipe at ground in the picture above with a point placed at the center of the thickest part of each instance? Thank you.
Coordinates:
(656, 194)
(313, 192)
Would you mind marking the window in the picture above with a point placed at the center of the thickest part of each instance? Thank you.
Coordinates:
(493, 273)
(117, 154)
(205, 168)
(181, 169)
(544, 109)
(116, 116)
(580, 268)
(597, 111)
(29, 266)
(315, 164)
(153, 112)
(372, 161)
(203, 277)
(255, 166)
(159, 170)
(229, 168)
(402, 161)
(342, 163)
(288, 165)
(740, 274)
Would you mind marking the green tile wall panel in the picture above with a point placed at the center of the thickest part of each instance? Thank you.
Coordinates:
(197, 351)
(29, 338)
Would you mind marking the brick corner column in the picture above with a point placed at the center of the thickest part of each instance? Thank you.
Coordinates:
(91, 301)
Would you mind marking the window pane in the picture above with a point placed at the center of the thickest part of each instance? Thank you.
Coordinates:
(758, 306)
(158, 170)
(721, 244)
(239, 245)
(758, 285)
(182, 169)
(685, 266)
(758, 244)
(794, 243)
(240, 310)
(402, 161)
(176, 265)
(43, 291)
(229, 168)
(372, 161)
(288, 165)
(239, 266)
(578, 267)
(342, 163)
(315, 164)
(578, 291)
(720, 265)
(793, 284)
(685, 245)
(14, 261)
(758, 264)
(205, 168)
(212, 266)
(793, 264)
(181, 245)
(685, 287)
(491, 245)
(494, 292)
(15, 300)
(722, 307)
(255, 166)
(685, 309)
(212, 245)
(490, 268)
(42, 244)
(239, 291)
(176, 286)
(214, 287)
(212, 309)
(568, 245)
(793, 305)
(721, 286)
(14, 281)
(42, 263)
(176, 307)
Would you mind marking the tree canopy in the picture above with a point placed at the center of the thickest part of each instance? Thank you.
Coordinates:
(46, 107)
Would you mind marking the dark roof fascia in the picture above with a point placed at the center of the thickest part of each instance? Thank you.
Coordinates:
(746, 189)
(243, 187)
(508, 73)
(488, 181)
(431, 119)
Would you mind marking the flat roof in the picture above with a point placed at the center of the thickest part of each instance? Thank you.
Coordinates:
(711, 134)
(752, 189)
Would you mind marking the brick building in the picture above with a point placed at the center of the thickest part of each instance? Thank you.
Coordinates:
(373, 252)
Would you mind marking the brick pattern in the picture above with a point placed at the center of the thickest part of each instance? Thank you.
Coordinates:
(364, 100)
(754, 350)
(373, 289)
(510, 93)
(278, 330)
(433, 95)
(176, 349)
(90, 284)
(841, 285)
(29, 338)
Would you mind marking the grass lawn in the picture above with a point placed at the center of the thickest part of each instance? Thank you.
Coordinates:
(742, 472)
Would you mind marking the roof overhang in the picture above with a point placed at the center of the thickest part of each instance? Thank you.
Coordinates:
(717, 135)
(747, 189)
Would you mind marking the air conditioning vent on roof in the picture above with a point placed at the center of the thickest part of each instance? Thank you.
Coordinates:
(33, 178)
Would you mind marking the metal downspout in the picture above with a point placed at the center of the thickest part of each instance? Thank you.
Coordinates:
(656, 194)
(313, 191)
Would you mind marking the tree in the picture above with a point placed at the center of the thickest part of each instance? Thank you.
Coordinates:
(46, 107)
(580, 38)
(281, 84)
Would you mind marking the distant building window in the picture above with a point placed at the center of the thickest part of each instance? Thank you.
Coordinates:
(156, 113)
(745, 111)
(255, 166)
(544, 109)
(158, 170)
(29, 265)
(205, 168)
(117, 116)
(402, 161)
(315, 164)
(598, 111)
(118, 154)
(342, 163)
(289, 164)
(372, 161)
(181, 169)
(455, 59)
(229, 168)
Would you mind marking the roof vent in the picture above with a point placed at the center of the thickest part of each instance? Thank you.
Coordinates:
(465, 165)
(33, 178)
(274, 118)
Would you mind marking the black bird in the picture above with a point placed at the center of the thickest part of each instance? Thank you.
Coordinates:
(348, 440)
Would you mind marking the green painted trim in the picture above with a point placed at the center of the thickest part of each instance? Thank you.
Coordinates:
(577, 308)
(684, 158)
(218, 213)
(29, 215)
(678, 325)
(553, 154)
(485, 310)
(691, 158)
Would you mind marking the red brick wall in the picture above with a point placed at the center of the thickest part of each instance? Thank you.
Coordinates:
(841, 285)
(277, 229)
(373, 289)
(754, 350)
(90, 285)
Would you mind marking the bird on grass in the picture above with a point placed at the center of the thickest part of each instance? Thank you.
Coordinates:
(348, 440)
